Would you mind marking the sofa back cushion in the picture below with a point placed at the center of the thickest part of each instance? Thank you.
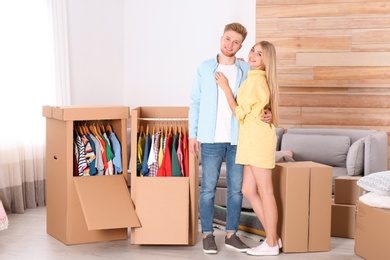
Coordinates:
(354, 134)
(326, 149)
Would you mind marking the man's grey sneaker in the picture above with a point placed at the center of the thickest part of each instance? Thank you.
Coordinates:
(235, 242)
(209, 246)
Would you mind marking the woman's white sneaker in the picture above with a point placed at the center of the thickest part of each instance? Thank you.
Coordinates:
(264, 249)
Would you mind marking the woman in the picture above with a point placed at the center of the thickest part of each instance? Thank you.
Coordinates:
(257, 140)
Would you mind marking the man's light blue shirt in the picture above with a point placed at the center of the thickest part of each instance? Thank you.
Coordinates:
(204, 101)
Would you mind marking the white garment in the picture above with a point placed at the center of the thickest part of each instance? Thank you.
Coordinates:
(224, 113)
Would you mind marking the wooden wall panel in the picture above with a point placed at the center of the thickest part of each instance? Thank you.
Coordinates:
(333, 61)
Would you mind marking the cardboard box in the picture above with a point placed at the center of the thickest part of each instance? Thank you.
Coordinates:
(372, 232)
(84, 209)
(343, 220)
(167, 207)
(346, 191)
(303, 193)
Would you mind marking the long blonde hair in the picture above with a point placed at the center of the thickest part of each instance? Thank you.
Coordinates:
(269, 59)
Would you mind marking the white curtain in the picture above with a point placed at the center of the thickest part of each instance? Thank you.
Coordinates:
(27, 81)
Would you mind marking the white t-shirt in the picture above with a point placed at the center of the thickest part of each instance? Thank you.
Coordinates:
(224, 113)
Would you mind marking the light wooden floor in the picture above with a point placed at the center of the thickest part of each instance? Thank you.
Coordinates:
(26, 238)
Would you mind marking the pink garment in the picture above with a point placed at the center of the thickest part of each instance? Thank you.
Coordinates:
(3, 217)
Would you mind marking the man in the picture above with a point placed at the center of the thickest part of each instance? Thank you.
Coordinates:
(214, 126)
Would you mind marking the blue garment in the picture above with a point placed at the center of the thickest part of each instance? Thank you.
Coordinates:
(204, 98)
(116, 149)
(148, 144)
(212, 157)
(92, 165)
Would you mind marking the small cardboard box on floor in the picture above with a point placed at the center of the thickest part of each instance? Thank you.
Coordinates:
(372, 232)
(343, 220)
(303, 193)
(85, 209)
(166, 206)
(346, 193)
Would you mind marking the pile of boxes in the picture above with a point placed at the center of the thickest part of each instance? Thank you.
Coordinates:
(346, 193)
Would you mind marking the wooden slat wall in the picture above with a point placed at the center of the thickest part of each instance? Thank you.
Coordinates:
(333, 61)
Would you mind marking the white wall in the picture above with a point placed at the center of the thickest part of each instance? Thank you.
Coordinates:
(96, 51)
(145, 53)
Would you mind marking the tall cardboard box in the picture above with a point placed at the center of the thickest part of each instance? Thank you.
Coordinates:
(167, 207)
(303, 193)
(346, 190)
(372, 232)
(85, 209)
(343, 220)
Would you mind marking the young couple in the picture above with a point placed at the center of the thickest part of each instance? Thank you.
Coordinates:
(230, 120)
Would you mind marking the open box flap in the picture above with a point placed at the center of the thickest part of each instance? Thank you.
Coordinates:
(106, 202)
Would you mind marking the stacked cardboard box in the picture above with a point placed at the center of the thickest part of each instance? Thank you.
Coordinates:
(303, 193)
(346, 193)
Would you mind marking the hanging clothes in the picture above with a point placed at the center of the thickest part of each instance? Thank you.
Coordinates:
(186, 154)
(154, 154)
(140, 152)
(99, 157)
(148, 143)
(117, 150)
(109, 154)
(175, 161)
(82, 162)
(180, 154)
(166, 166)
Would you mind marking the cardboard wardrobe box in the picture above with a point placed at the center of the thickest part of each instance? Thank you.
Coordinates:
(343, 220)
(303, 193)
(89, 208)
(346, 190)
(372, 232)
(167, 207)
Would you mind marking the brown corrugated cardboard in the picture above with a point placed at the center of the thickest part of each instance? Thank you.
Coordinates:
(346, 191)
(303, 192)
(106, 202)
(167, 206)
(343, 220)
(73, 202)
(372, 232)
(75, 113)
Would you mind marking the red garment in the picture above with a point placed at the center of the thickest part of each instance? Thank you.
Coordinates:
(185, 156)
(166, 165)
(104, 154)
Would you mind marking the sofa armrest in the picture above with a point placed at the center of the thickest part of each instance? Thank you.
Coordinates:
(375, 152)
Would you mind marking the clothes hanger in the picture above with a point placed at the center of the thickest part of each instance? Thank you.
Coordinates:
(109, 129)
(86, 130)
(102, 129)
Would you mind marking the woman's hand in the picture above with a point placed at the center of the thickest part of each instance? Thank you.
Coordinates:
(267, 116)
(222, 81)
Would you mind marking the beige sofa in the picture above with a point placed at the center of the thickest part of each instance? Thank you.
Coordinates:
(349, 152)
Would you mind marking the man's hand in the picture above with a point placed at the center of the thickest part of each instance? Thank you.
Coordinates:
(267, 116)
(194, 146)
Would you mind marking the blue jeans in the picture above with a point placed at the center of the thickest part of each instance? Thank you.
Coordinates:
(212, 156)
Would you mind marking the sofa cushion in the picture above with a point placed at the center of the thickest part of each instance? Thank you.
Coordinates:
(326, 149)
(355, 158)
(354, 134)
(375, 152)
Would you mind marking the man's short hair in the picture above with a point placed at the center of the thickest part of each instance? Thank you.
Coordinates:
(238, 28)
